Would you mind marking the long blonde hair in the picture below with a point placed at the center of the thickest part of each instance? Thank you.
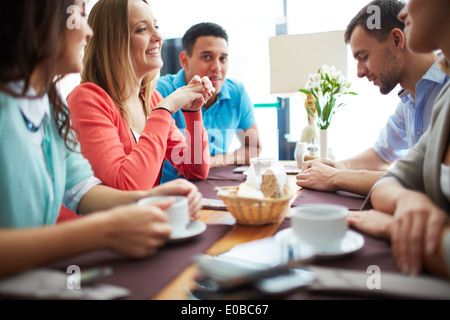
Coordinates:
(107, 61)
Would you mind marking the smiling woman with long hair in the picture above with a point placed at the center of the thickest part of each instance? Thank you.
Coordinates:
(124, 126)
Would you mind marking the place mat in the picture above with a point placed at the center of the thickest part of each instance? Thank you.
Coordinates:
(207, 187)
(225, 173)
(146, 277)
(350, 200)
(233, 172)
(349, 277)
(375, 252)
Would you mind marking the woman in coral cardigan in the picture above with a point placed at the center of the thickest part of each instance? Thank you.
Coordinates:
(125, 128)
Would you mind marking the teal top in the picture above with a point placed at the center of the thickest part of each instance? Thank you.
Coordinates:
(25, 199)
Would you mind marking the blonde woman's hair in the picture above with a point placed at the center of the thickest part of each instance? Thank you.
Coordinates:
(107, 61)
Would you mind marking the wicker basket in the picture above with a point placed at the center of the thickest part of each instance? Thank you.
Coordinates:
(250, 211)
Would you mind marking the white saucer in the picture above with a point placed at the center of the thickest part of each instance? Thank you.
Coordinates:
(352, 242)
(194, 228)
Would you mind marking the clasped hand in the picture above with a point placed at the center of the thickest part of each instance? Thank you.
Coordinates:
(318, 174)
(190, 97)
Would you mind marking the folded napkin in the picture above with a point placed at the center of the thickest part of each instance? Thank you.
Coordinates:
(213, 204)
(346, 199)
(52, 284)
(393, 285)
(226, 173)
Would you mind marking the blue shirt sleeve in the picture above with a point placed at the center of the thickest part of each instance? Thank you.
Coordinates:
(165, 85)
(247, 107)
(392, 142)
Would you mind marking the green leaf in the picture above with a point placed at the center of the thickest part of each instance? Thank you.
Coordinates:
(305, 91)
(310, 112)
(318, 108)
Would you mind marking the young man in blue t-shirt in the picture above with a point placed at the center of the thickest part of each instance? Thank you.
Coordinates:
(228, 112)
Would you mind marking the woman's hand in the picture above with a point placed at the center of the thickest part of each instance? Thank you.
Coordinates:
(136, 230)
(416, 230)
(180, 187)
(375, 223)
(207, 92)
(190, 97)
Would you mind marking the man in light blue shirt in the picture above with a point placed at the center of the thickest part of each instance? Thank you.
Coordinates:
(411, 118)
(228, 112)
(383, 59)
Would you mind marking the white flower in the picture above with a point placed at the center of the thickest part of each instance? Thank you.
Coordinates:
(325, 69)
(332, 72)
(326, 86)
(315, 77)
(313, 82)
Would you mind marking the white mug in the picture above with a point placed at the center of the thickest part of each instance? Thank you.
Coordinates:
(299, 153)
(321, 226)
(178, 212)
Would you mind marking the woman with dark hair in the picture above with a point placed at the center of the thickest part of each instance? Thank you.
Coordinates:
(40, 168)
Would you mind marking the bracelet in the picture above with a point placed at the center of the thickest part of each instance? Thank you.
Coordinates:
(191, 110)
(161, 108)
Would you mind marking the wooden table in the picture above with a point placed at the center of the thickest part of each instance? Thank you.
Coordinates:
(170, 275)
(178, 288)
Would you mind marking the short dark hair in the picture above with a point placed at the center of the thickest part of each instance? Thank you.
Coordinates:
(389, 11)
(199, 30)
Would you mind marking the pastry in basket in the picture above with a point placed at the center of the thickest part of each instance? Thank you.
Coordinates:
(270, 185)
(248, 190)
(261, 204)
(273, 182)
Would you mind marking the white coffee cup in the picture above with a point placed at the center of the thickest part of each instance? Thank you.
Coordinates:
(261, 164)
(321, 226)
(299, 153)
(178, 212)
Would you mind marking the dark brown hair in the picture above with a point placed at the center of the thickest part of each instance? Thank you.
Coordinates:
(389, 11)
(201, 30)
(33, 35)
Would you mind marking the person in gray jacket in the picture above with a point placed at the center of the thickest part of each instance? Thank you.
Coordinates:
(411, 203)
